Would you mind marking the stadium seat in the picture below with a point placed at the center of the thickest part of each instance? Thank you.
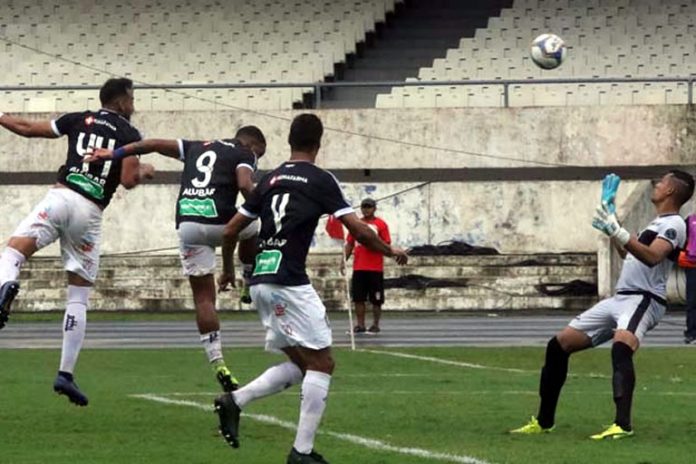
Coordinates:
(169, 42)
(613, 38)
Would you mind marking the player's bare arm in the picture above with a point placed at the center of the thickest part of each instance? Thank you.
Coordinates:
(245, 180)
(651, 255)
(169, 148)
(27, 128)
(349, 249)
(363, 234)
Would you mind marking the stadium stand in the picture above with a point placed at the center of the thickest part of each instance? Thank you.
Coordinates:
(159, 42)
(613, 38)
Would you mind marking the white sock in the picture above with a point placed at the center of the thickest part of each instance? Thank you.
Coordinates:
(274, 380)
(212, 344)
(74, 325)
(11, 262)
(315, 391)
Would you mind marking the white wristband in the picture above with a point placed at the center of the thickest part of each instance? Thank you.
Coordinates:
(622, 236)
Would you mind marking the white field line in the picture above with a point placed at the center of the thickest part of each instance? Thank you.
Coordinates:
(449, 362)
(570, 391)
(355, 439)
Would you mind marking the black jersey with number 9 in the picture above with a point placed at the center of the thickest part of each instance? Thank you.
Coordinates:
(290, 200)
(209, 181)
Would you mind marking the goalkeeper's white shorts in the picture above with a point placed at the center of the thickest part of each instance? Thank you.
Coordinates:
(637, 313)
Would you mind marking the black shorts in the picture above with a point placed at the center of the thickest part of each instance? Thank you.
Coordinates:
(368, 285)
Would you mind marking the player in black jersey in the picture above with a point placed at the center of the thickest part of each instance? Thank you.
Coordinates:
(72, 210)
(214, 172)
(290, 200)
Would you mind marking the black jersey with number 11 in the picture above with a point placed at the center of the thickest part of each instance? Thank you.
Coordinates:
(209, 188)
(290, 200)
(87, 130)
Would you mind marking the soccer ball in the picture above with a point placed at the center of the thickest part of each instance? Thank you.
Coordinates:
(548, 51)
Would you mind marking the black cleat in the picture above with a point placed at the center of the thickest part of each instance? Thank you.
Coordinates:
(8, 292)
(67, 386)
(228, 412)
(226, 380)
(295, 457)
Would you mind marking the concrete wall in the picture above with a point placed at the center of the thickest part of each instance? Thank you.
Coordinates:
(397, 138)
(515, 217)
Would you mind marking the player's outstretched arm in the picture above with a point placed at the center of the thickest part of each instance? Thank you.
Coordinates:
(650, 255)
(169, 148)
(27, 128)
(363, 234)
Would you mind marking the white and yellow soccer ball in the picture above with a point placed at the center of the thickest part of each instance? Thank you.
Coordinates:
(548, 51)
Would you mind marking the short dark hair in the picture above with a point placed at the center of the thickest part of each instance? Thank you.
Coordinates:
(251, 132)
(684, 185)
(305, 132)
(113, 89)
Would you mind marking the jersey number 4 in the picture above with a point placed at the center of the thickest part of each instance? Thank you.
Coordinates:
(95, 141)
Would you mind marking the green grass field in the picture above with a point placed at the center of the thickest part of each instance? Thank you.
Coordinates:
(381, 407)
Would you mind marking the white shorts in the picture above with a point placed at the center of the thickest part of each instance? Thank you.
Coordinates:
(76, 221)
(197, 243)
(292, 316)
(636, 313)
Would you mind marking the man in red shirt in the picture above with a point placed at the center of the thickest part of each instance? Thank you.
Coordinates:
(368, 269)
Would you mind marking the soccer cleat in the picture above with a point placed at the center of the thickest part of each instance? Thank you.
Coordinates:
(245, 294)
(295, 457)
(8, 292)
(228, 412)
(532, 428)
(226, 379)
(373, 330)
(359, 329)
(67, 386)
(614, 432)
(689, 339)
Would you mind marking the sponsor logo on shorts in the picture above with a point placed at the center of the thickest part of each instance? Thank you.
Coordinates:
(287, 328)
(279, 304)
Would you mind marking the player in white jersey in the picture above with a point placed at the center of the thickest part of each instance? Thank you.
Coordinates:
(71, 212)
(637, 306)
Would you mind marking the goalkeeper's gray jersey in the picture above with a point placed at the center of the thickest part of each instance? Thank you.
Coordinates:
(637, 276)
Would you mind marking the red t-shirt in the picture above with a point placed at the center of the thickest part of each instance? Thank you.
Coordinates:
(364, 258)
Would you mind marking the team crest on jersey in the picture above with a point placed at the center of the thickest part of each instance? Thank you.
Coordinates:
(89, 120)
(671, 234)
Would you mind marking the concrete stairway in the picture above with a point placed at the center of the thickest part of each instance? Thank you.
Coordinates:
(419, 32)
(155, 283)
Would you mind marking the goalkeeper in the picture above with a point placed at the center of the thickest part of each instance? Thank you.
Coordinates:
(636, 308)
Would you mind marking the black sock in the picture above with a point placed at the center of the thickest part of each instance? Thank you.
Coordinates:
(67, 375)
(553, 376)
(623, 381)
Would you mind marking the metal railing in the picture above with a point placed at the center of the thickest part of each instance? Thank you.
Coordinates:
(317, 87)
